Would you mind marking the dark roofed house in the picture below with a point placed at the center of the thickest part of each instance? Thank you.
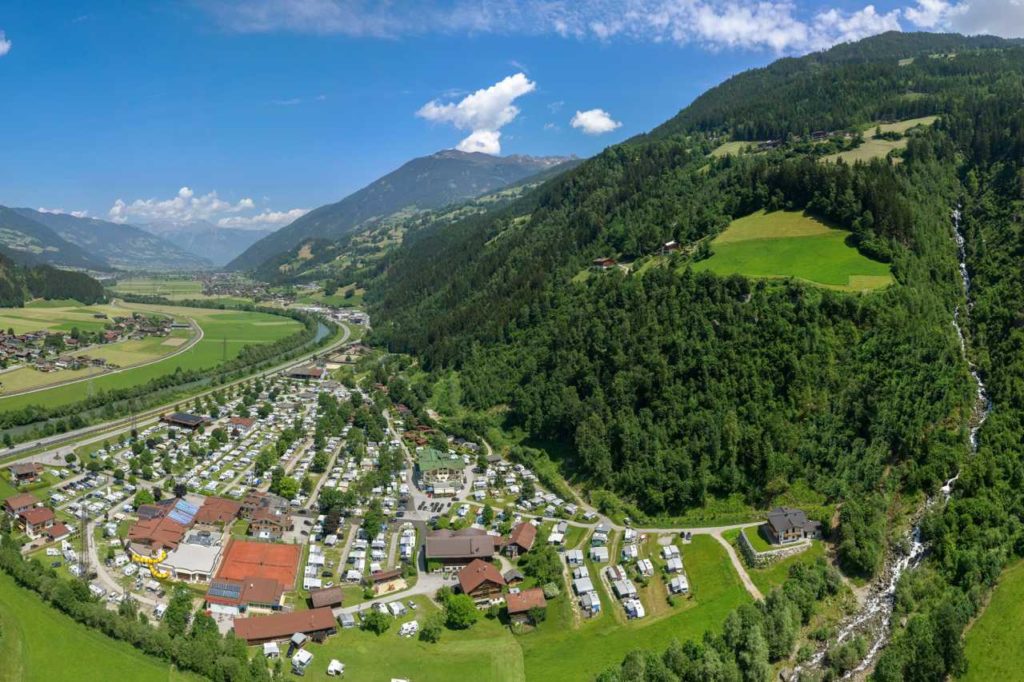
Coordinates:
(306, 372)
(317, 624)
(787, 525)
(327, 596)
(520, 604)
(26, 472)
(521, 539)
(261, 593)
(378, 577)
(183, 420)
(513, 577)
(481, 580)
(459, 549)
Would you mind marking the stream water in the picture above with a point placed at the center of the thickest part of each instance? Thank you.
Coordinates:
(874, 618)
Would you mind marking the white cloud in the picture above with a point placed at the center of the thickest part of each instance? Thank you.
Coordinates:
(483, 112)
(5, 44)
(594, 122)
(183, 207)
(61, 211)
(1003, 18)
(783, 26)
(271, 219)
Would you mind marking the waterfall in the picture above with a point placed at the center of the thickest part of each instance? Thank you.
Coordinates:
(874, 619)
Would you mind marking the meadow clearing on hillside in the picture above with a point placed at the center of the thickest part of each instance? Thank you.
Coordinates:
(39, 643)
(878, 149)
(995, 643)
(792, 244)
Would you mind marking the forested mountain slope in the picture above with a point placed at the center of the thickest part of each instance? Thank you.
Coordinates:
(19, 283)
(671, 388)
(121, 246)
(27, 241)
(428, 182)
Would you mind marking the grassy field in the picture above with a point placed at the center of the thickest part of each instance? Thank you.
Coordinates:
(168, 288)
(767, 579)
(735, 147)
(878, 149)
(226, 332)
(38, 642)
(792, 244)
(995, 643)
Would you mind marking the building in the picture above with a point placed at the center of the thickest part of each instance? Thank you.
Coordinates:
(192, 562)
(22, 502)
(521, 539)
(26, 472)
(36, 521)
(183, 420)
(317, 624)
(787, 525)
(267, 514)
(307, 372)
(522, 603)
(243, 424)
(238, 596)
(151, 536)
(604, 263)
(460, 547)
(513, 577)
(481, 580)
(327, 596)
(439, 471)
(218, 510)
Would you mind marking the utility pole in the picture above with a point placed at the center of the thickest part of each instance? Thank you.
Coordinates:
(83, 557)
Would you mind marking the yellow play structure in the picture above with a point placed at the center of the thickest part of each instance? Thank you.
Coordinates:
(152, 562)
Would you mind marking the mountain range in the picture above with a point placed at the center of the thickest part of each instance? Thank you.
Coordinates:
(218, 245)
(424, 183)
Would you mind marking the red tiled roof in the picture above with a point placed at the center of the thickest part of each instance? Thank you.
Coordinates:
(526, 600)
(218, 510)
(284, 625)
(37, 515)
(157, 532)
(21, 500)
(241, 421)
(477, 573)
(57, 531)
(523, 535)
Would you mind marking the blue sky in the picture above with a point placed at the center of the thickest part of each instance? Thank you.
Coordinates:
(266, 108)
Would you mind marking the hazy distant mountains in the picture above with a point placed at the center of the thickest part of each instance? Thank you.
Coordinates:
(118, 246)
(218, 245)
(427, 182)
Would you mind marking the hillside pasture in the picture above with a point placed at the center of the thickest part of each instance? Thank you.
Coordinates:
(734, 147)
(879, 149)
(995, 643)
(38, 643)
(784, 244)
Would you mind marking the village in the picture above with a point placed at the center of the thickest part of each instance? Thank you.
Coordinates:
(295, 507)
(53, 351)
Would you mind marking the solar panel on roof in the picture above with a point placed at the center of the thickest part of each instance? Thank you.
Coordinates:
(225, 590)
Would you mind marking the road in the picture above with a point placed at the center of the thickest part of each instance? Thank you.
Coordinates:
(23, 450)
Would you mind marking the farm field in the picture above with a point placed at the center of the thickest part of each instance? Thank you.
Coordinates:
(995, 643)
(56, 316)
(878, 149)
(37, 642)
(792, 244)
(226, 332)
(168, 288)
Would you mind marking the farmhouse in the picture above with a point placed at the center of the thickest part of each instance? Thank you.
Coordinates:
(218, 510)
(786, 525)
(481, 580)
(26, 472)
(317, 624)
(36, 521)
(604, 263)
(521, 539)
(520, 604)
(20, 503)
(327, 596)
(183, 420)
(460, 547)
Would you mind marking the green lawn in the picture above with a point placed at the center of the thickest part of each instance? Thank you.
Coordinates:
(878, 149)
(167, 288)
(226, 332)
(37, 642)
(995, 643)
(792, 244)
(735, 147)
(767, 579)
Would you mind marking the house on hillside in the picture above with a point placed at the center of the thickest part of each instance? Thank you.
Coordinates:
(787, 525)
(522, 603)
(521, 539)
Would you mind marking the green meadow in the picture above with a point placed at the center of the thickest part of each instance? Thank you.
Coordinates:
(40, 644)
(226, 332)
(168, 288)
(995, 643)
(791, 244)
(879, 149)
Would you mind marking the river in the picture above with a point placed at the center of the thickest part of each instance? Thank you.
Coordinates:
(874, 618)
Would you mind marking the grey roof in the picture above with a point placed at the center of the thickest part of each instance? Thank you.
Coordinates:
(786, 519)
